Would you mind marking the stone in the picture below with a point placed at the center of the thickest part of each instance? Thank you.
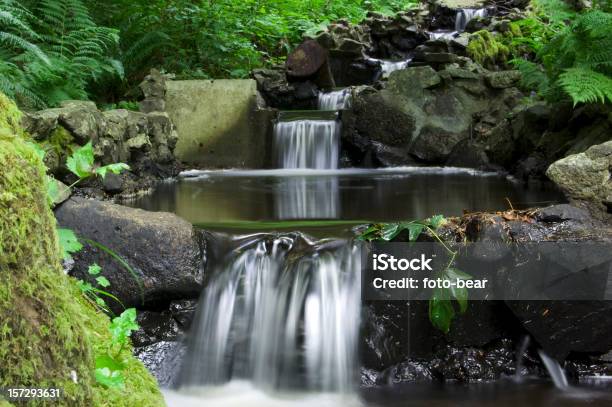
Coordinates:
(467, 154)
(586, 177)
(152, 105)
(439, 57)
(154, 327)
(154, 85)
(503, 79)
(40, 124)
(163, 359)
(139, 142)
(112, 183)
(561, 327)
(562, 213)
(82, 119)
(183, 312)
(164, 251)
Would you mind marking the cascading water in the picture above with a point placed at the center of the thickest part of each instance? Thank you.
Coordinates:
(463, 17)
(282, 312)
(388, 67)
(307, 143)
(556, 372)
(335, 100)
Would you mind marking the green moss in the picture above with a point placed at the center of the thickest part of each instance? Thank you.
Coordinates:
(485, 49)
(49, 334)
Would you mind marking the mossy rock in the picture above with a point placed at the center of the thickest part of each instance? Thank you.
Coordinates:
(485, 49)
(49, 334)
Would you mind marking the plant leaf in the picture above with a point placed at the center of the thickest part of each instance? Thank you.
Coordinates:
(94, 269)
(80, 163)
(114, 168)
(68, 243)
(102, 281)
(109, 378)
(441, 311)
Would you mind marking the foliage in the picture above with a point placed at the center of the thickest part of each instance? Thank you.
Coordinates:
(51, 50)
(81, 164)
(111, 363)
(441, 309)
(49, 332)
(576, 62)
(221, 38)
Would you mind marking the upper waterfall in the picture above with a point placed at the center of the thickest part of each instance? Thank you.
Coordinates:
(464, 16)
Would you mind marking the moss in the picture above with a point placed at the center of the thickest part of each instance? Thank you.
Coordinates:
(49, 334)
(485, 49)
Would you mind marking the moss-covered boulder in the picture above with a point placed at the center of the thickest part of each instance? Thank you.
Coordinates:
(49, 334)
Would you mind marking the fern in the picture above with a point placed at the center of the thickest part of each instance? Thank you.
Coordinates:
(586, 86)
(53, 51)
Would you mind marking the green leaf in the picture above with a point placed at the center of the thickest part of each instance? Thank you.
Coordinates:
(390, 230)
(94, 269)
(414, 231)
(109, 378)
(441, 311)
(81, 162)
(461, 295)
(114, 168)
(102, 281)
(68, 243)
(84, 287)
(100, 302)
(454, 273)
(109, 362)
(122, 326)
(436, 221)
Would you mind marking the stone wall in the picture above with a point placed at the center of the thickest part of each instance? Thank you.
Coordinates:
(219, 124)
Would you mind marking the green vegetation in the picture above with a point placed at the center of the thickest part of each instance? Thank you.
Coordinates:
(54, 50)
(441, 308)
(49, 332)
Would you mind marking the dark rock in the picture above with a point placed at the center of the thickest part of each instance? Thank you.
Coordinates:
(561, 213)
(369, 377)
(112, 183)
(468, 154)
(407, 371)
(183, 311)
(154, 327)
(163, 250)
(163, 360)
(561, 327)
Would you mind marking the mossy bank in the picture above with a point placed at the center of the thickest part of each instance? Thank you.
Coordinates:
(49, 334)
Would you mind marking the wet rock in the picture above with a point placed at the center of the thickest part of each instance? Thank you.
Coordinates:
(562, 213)
(164, 251)
(468, 154)
(163, 360)
(407, 371)
(561, 327)
(183, 311)
(586, 178)
(369, 377)
(155, 327)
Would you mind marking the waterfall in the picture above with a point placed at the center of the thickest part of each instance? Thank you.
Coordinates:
(555, 371)
(388, 67)
(335, 100)
(463, 17)
(307, 143)
(282, 312)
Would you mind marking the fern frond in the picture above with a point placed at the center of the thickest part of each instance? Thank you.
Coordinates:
(586, 86)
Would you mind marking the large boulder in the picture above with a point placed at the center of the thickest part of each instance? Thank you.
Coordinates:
(164, 251)
(587, 177)
(426, 114)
